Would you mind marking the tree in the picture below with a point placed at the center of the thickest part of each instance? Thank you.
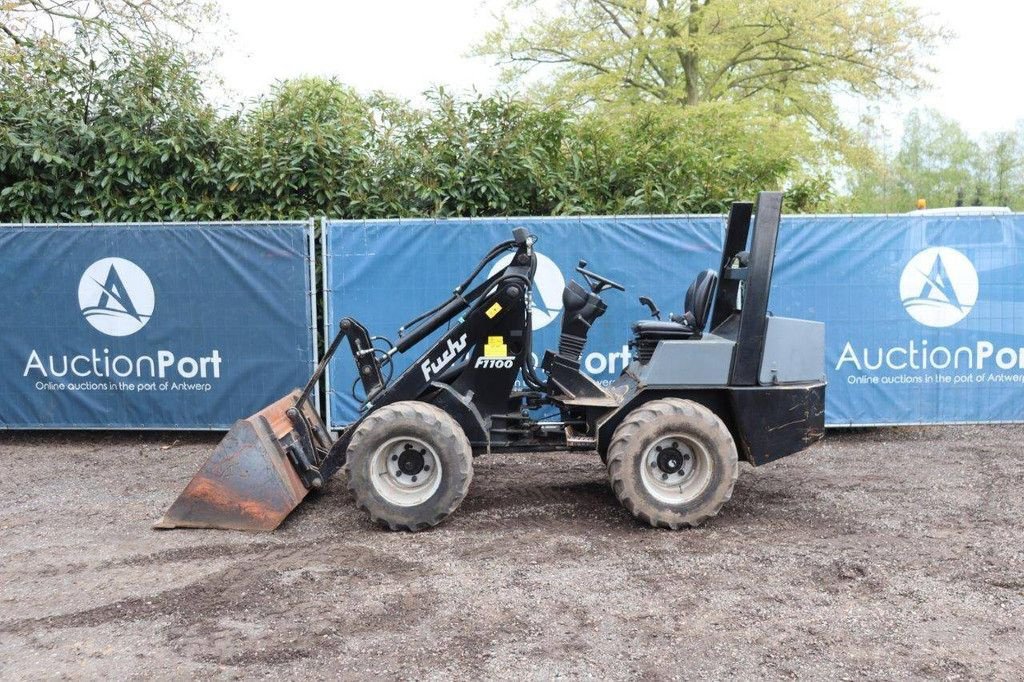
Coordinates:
(299, 152)
(938, 161)
(129, 138)
(1002, 167)
(648, 158)
(133, 137)
(494, 155)
(94, 24)
(792, 57)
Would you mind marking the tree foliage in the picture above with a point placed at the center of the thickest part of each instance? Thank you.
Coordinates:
(787, 58)
(938, 161)
(690, 105)
(127, 138)
(653, 159)
(132, 137)
(93, 25)
(303, 151)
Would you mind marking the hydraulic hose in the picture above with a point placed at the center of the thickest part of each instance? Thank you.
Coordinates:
(453, 307)
(491, 255)
(529, 372)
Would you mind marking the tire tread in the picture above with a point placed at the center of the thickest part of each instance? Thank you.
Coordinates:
(619, 458)
(450, 438)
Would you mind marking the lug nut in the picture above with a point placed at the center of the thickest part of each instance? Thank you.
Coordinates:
(413, 479)
(664, 476)
(394, 458)
(426, 467)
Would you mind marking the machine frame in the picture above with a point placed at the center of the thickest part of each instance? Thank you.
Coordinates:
(772, 405)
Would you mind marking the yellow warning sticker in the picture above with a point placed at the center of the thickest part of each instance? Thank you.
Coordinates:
(495, 346)
(494, 310)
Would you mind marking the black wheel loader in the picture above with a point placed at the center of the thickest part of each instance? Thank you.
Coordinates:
(670, 429)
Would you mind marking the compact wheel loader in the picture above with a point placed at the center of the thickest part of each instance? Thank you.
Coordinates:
(671, 428)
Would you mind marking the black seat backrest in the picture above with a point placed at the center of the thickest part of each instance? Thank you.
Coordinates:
(698, 299)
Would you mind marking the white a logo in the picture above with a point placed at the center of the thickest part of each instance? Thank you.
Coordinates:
(939, 286)
(548, 284)
(116, 296)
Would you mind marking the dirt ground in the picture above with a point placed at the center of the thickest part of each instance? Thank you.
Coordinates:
(879, 554)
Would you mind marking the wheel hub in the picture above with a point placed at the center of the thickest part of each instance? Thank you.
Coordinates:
(411, 461)
(671, 459)
(406, 471)
(675, 468)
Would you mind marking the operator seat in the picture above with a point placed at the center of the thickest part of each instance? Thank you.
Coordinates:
(689, 325)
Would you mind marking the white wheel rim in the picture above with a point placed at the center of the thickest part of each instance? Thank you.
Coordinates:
(405, 471)
(675, 469)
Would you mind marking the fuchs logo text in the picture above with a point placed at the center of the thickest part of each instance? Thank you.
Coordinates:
(432, 367)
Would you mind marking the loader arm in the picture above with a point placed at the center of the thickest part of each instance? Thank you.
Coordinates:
(267, 463)
(308, 444)
(498, 308)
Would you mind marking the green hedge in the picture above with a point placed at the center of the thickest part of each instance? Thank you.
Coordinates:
(135, 138)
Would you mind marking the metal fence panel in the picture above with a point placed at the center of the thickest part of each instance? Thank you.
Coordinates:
(924, 314)
(159, 326)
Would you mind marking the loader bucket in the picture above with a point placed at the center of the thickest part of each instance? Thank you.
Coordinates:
(248, 483)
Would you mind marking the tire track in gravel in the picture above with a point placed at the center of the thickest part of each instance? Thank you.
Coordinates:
(227, 589)
(874, 556)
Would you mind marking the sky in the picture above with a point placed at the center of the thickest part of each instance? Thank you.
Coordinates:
(404, 47)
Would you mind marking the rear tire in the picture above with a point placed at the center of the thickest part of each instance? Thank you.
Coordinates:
(672, 463)
(409, 465)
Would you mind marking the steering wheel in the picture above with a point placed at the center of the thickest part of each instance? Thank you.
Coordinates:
(597, 282)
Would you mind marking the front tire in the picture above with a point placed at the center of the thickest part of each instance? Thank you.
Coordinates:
(672, 463)
(409, 465)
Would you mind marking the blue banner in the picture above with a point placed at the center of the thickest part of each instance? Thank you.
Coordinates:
(170, 326)
(924, 314)
(384, 273)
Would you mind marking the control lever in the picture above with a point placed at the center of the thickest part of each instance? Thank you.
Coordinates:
(655, 313)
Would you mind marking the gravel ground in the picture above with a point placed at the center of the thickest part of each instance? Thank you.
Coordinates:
(879, 554)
